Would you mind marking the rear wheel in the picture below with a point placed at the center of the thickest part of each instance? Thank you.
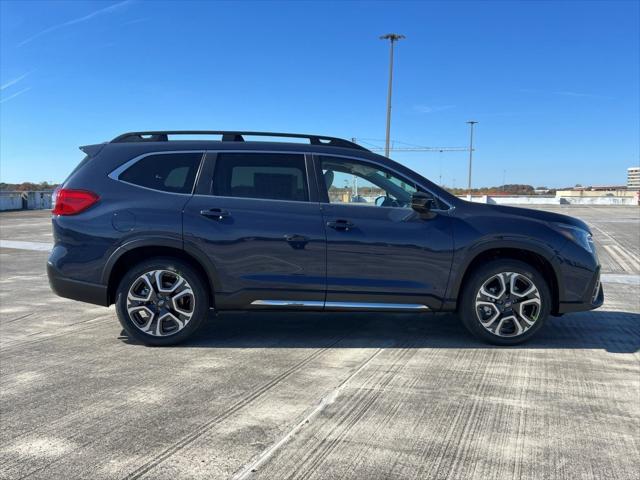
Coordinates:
(505, 302)
(161, 301)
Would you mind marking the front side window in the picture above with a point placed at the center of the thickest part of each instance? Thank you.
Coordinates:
(273, 176)
(169, 172)
(360, 183)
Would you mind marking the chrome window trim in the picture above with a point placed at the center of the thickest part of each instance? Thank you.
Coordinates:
(115, 174)
(384, 167)
(307, 202)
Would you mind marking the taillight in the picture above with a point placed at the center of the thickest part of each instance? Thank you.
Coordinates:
(66, 201)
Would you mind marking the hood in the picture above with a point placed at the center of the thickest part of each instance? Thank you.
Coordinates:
(540, 215)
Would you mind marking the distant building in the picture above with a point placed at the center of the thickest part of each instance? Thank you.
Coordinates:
(633, 178)
(605, 188)
(598, 191)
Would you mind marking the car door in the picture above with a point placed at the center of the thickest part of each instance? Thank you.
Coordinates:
(380, 253)
(256, 217)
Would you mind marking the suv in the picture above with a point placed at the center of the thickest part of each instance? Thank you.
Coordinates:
(168, 229)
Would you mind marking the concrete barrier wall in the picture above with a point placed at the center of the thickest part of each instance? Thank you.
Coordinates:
(25, 200)
(599, 200)
(12, 201)
(524, 200)
(537, 200)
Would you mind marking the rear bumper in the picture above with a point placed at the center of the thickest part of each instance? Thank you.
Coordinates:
(593, 298)
(76, 289)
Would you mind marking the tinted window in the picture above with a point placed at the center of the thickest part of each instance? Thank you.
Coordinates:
(170, 172)
(360, 183)
(274, 176)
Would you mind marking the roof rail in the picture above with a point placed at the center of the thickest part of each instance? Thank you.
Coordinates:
(234, 136)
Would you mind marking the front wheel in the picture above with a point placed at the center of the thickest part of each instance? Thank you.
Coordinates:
(161, 301)
(505, 302)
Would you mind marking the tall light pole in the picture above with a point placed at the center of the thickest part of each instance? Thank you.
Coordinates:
(471, 124)
(392, 37)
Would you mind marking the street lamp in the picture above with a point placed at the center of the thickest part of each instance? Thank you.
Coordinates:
(471, 124)
(392, 37)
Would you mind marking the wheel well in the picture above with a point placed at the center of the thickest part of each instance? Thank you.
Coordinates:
(537, 261)
(140, 254)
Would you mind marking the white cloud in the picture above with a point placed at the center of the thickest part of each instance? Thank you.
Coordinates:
(19, 92)
(75, 21)
(14, 81)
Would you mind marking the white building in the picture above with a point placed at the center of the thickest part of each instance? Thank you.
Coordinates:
(633, 178)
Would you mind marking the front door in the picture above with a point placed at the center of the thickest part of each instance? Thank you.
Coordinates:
(380, 253)
(260, 229)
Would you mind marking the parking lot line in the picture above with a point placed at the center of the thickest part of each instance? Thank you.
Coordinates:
(20, 245)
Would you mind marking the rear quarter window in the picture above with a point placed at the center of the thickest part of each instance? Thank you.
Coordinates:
(167, 172)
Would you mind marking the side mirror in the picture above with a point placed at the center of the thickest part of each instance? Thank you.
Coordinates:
(422, 203)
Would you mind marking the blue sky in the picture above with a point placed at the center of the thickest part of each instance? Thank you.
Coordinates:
(555, 86)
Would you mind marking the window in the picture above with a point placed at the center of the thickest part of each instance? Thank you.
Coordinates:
(169, 172)
(275, 176)
(360, 183)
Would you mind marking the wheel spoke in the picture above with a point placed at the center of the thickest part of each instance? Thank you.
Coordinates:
(494, 295)
(533, 301)
(142, 284)
(184, 297)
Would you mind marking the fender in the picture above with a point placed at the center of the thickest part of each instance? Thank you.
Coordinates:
(136, 243)
(169, 242)
(464, 257)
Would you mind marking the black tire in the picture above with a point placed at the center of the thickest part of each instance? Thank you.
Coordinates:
(199, 310)
(467, 305)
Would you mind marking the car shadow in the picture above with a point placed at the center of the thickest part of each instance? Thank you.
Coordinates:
(613, 331)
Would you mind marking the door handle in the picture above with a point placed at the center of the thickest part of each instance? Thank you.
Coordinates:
(215, 213)
(340, 224)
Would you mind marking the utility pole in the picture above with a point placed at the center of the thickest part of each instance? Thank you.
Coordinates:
(392, 37)
(471, 124)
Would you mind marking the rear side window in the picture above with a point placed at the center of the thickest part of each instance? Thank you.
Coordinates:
(169, 172)
(275, 176)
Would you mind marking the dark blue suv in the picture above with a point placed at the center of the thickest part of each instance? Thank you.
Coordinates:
(168, 228)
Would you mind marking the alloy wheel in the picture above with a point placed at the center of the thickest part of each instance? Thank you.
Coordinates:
(160, 302)
(508, 304)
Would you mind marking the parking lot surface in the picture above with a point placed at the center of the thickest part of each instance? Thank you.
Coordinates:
(314, 395)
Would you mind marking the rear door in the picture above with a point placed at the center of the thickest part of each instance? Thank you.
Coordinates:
(380, 253)
(257, 219)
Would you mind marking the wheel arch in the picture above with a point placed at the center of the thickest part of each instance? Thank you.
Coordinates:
(138, 251)
(534, 256)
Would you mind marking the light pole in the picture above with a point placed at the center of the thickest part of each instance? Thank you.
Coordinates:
(471, 124)
(392, 37)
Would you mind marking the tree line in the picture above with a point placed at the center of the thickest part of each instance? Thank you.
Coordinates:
(27, 186)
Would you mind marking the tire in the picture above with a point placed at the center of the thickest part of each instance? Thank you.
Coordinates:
(523, 315)
(164, 315)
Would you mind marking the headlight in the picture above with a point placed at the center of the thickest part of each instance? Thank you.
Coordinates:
(576, 235)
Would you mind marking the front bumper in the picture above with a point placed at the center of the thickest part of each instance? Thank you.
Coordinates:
(76, 289)
(593, 297)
